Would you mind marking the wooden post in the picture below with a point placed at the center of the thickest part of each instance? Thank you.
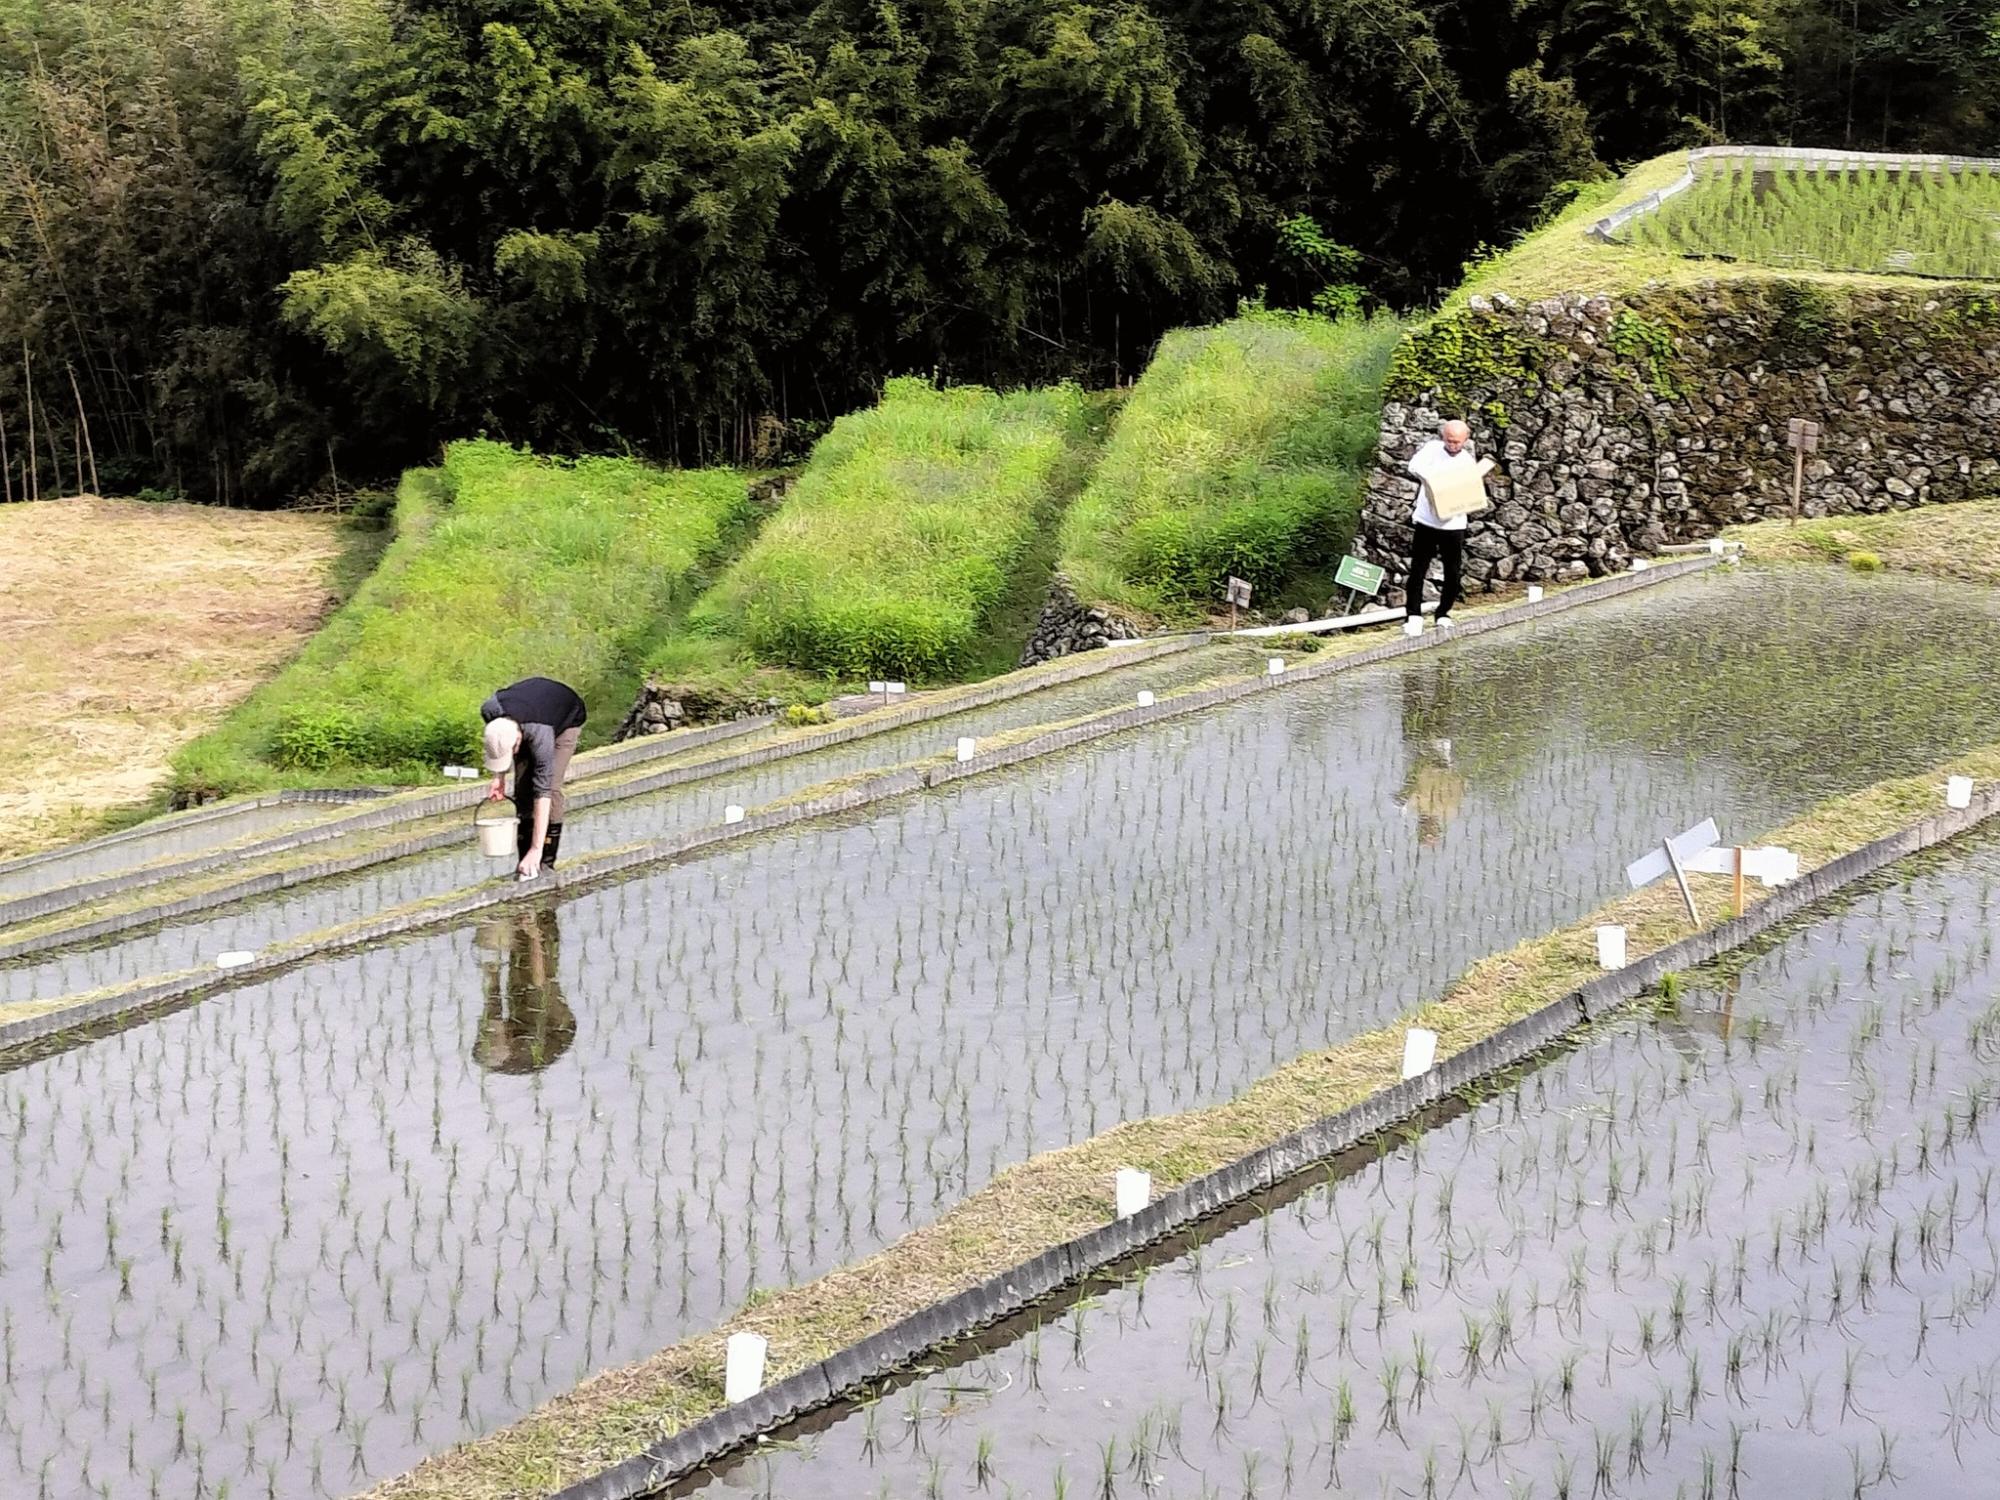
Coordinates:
(1739, 880)
(1798, 483)
(6, 464)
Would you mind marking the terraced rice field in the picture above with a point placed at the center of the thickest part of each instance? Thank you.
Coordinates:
(315, 1227)
(1742, 1247)
(1876, 219)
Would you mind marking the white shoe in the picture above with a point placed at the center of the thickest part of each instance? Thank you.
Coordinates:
(1444, 622)
(1414, 625)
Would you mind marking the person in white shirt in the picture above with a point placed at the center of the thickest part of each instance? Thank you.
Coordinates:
(1432, 535)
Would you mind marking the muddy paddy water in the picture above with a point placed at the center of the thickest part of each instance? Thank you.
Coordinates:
(1746, 1247)
(313, 1228)
(251, 925)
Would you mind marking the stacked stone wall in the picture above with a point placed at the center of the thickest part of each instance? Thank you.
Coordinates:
(1623, 426)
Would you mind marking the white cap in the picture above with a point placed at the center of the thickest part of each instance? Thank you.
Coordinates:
(502, 736)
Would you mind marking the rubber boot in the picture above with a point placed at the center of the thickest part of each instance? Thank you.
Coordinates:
(551, 846)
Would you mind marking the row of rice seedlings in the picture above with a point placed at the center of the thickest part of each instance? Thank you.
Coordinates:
(789, 1055)
(258, 924)
(1873, 219)
(1745, 1248)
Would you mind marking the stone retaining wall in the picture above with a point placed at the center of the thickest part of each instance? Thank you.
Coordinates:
(1622, 426)
(1069, 625)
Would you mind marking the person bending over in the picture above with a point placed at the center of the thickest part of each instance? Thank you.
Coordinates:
(531, 729)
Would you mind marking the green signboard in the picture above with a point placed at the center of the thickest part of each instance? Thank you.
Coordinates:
(1362, 577)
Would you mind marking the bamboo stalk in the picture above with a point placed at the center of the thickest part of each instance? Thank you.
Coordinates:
(28, 375)
(6, 464)
(83, 435)
(55, 453)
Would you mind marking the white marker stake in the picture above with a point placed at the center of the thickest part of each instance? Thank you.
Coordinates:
(743, 1375)
(1135, 1191)
(896, 689)
(235, 960)
(1715, 546)
(463, 773)
(1420, 1050)
(1145, 699)
(877, 686)
(1276, 666)
(967, 748)
(732, 814)
(1534, 593)
(1958, 792)
(1611, 947)
(1639, 565)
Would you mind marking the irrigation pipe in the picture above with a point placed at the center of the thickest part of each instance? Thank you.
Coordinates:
(1014, 1291)
(457, 799)
(116, 1003)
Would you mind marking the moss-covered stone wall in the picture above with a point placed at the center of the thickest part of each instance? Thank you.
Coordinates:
(1623, 425)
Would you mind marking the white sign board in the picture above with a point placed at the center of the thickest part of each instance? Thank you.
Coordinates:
(1420, 1050)
(1134, 1190)
(743, 1370)
(1771, 865)
(1643, 872)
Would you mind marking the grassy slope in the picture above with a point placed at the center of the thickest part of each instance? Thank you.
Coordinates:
(1946, 541)
(503, 566)
(1561, 257)
(900, 546)
(128, 628)
(1241, 451)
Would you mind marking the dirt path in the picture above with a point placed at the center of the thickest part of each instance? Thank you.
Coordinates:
(128, 628)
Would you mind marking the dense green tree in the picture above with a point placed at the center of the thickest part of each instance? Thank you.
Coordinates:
(273, 242)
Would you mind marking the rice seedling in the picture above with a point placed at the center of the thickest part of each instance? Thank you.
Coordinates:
(1836, 1394)
(1880, 219)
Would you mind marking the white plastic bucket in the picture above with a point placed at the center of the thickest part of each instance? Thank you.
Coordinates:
(496, 834)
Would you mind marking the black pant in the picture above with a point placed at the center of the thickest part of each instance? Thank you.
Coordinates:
(1449, 548)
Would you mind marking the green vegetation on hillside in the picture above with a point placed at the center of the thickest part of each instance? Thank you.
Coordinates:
(1242, 450)
(901, 538)
(1870, 219)
(279, 242)
(504, 566)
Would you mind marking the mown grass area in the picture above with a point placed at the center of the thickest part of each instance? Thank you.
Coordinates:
(1243, 451)
(1959, 541)
(1560, 257)
(504, 565)
(900, 545)
(128, 628)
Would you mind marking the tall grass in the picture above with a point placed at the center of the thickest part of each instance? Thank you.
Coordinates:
(504, 565)
(903, 533)
(1242, 450)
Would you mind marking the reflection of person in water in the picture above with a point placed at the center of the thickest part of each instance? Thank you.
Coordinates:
(1432, 787)
(526, 1024)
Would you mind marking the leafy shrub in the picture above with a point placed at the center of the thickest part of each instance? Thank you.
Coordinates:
(902, 533)
(800, 715)
(1864, 562)
(1241, 451)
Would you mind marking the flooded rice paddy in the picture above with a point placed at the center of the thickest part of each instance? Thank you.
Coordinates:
(257, 924)
(315, 1227)
(1741, 1248)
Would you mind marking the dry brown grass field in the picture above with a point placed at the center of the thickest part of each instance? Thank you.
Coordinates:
(127, 628)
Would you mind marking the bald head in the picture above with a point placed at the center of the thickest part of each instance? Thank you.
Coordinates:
(1454, 435)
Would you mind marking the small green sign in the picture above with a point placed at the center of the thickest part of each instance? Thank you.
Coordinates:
(1362, 577)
